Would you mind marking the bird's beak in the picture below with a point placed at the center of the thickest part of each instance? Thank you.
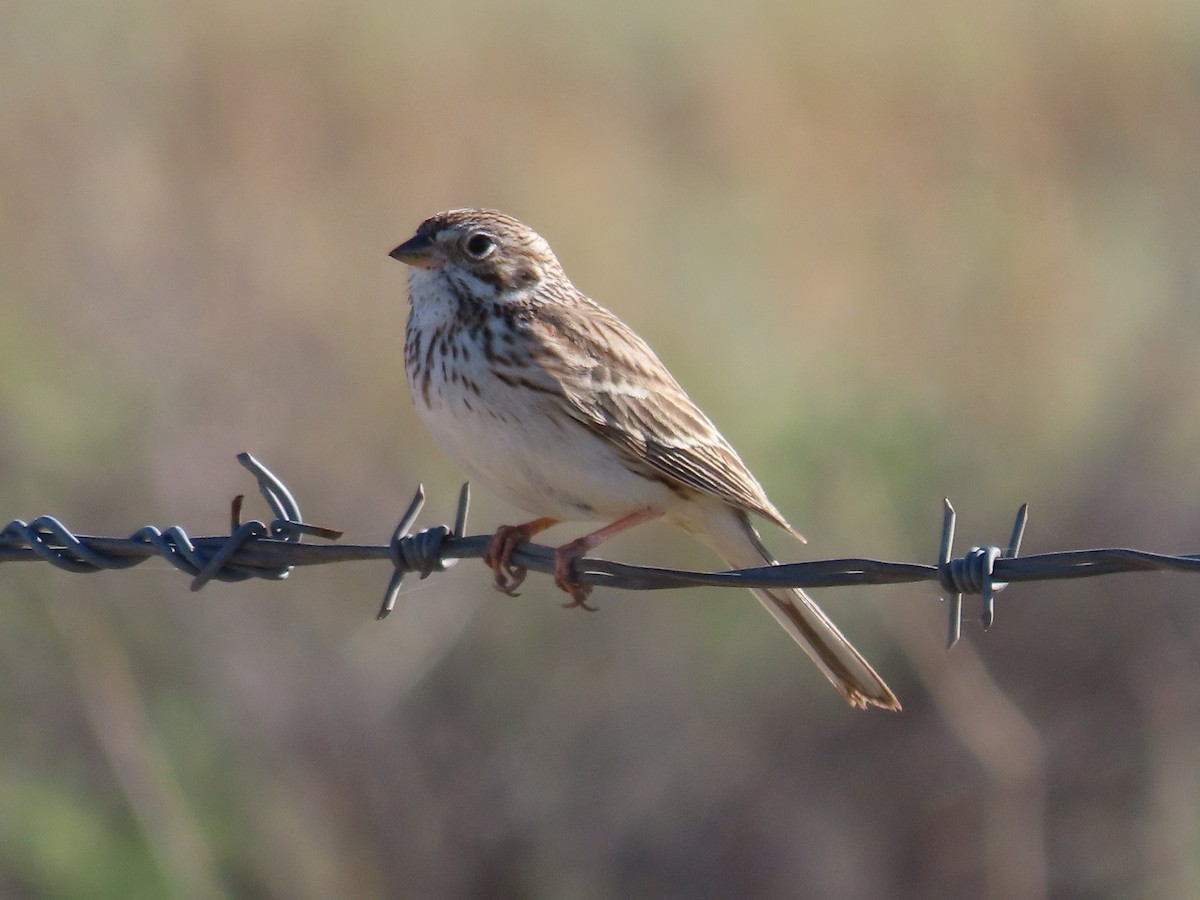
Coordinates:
(418, 251)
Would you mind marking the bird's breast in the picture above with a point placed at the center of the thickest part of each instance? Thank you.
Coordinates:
(474, 394)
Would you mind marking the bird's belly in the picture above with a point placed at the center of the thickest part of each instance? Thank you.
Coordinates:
(526, 451)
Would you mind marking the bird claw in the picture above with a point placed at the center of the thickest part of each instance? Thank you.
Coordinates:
(564, 577)
(579, 602)
(498, 555)
(509, 578)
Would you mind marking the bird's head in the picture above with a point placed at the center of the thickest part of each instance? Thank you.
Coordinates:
(483, 246)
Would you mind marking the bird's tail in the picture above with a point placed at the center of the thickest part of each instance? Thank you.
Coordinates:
(738, 544)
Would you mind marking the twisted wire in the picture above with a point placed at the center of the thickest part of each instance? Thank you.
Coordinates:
(255, 549)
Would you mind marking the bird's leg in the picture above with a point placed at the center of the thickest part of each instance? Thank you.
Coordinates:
(566, 555)
(498, 555)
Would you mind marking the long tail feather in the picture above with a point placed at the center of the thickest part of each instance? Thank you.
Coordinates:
(738, 544)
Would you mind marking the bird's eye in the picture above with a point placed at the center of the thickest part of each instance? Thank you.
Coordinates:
(480, 245)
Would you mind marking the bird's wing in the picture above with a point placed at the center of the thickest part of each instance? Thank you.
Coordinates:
(614, 384)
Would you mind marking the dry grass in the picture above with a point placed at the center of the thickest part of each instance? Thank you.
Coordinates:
(897, 253)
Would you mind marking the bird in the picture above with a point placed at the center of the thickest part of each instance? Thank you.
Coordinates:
(558, 407)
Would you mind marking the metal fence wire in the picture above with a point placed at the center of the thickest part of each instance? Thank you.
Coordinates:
(272, 550)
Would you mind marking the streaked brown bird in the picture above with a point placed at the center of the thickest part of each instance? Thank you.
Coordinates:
(556, 405)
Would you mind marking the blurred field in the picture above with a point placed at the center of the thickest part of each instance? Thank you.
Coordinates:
(897, 253)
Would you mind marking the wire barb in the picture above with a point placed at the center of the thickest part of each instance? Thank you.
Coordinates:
(421, 552)
(205, 559)
(973, 573)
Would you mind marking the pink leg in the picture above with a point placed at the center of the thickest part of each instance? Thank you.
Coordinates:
(566, 555)
(498, 555)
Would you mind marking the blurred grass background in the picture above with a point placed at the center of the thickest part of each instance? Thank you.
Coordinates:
(897, 253)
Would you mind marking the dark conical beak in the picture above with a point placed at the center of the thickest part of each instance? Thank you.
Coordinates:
(418, 251)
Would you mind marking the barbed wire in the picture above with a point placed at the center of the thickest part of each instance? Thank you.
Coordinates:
(272, 550)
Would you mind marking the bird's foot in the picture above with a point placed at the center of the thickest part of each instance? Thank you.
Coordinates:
(564, 574)
(498, 555)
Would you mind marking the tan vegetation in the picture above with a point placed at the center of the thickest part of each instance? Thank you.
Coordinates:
(896, 251)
